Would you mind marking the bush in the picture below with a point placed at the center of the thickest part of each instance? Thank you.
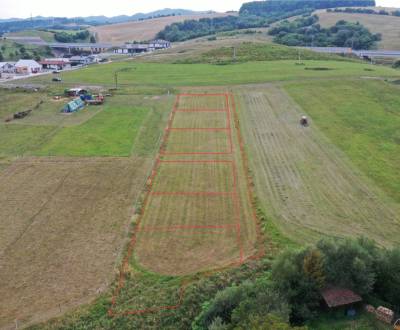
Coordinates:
(387, 285)
(396, 64)
(234, 305)
(298, 276)
(66, 37)
(350, 263)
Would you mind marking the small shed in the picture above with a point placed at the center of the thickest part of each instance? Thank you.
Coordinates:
(338, 297)
(75, 92)
(73, 106)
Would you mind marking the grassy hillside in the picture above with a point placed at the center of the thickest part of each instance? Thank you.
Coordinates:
(250, 51)
(139, 30)
(388, 26)
(155, 74)
(45, 35)
(362, 117)
(12, 51)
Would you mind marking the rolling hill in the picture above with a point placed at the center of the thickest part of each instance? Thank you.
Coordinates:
(141, 30)
(388, 26)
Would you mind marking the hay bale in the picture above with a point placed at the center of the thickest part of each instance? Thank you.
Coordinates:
(384, 314)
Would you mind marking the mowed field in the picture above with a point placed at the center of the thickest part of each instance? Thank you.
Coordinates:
(120, 33)
(197, 215)
(65, 215)
(306, 185)
(388, 26)
(63, 225)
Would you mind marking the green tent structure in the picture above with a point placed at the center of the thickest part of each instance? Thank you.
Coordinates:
(73, 106)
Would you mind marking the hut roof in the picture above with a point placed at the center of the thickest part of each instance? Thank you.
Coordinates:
(335, 297)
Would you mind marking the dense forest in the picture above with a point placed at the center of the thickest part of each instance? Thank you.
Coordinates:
(251, 15)
(306, 31)
(71, 37)
(190, 29)
(265, 8)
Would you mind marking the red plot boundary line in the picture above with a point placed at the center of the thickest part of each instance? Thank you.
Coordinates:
(235, 196)
(194, 193)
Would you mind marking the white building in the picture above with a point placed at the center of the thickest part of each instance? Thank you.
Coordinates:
(7, 67)
(27, 67)
(150, 46)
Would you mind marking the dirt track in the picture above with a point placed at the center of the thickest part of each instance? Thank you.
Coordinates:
(306, 185)
(63, 224)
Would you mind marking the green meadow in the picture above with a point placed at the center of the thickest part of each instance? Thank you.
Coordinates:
(362, 117)
(160, 74)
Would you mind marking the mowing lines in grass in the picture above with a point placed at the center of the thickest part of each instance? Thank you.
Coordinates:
(191, 217)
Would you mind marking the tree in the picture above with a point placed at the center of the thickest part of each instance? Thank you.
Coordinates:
(1, 57)
(313, 267)
(387, 284)
(300, 288)
(350, 263)
(232, 306)
(396, 64)
(92, 39)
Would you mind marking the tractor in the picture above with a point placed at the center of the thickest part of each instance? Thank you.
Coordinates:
(304, 121)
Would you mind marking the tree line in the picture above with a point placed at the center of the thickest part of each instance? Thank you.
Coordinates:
(290, 293)
(251, 15)
(265, 8)
(190, 29)
(364, 11)
(73, 37)
(306, 31)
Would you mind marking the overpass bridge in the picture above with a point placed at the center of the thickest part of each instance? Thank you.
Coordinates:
(360, 53)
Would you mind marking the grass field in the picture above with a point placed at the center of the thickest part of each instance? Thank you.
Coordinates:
(10, 48)
(303, 181)
(45, 35)
(195, 215)
(388, 26)
(125, 125)
(59, 250)
(362, 117)
(155, 74)
(110, 133)
(120, 33)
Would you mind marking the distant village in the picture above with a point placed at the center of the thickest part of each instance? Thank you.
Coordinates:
(73, 55)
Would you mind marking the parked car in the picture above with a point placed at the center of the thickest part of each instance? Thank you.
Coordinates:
(57, 79)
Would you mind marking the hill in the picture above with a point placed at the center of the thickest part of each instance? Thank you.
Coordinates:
(388, 26)
(140, 16)
(141, 30)
(45, 35)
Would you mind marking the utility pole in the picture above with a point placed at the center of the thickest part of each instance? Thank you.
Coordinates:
(119, 71)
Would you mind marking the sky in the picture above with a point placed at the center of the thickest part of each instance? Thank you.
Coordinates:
(73, 8)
